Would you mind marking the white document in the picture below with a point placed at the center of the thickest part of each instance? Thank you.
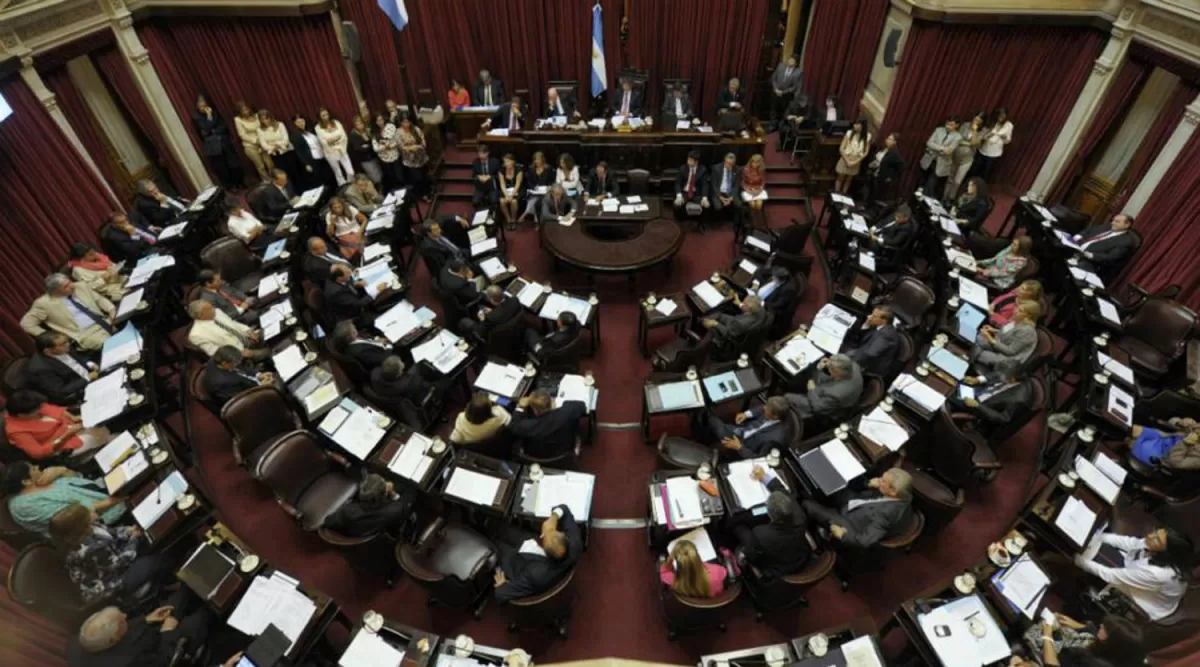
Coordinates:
(172, 230)
(866, 259)
(1023, 583)
(680, 395)
(699, 538)
(1066, 240)
(857, 224)
(573, 489)
(1086, 276)
(1115, 367)
(118, 448)
(750, 492)
(499, 379)
(473, 487)
(368, 649)
(120, 347)
(360, 432)
(682, 125)
(289, 362)
(761, 196)
(156, 504)
(708, 294)
(127, 470)
(398, 321)
(842, 199)
(271, 601)
(480, 217)
(842, 460)
(950, 226)
(334, 419)
(408, 459)
(541, 190)
(492, 267)
(325, 394)
(825, 340)
(1097, 480)
(610, 205)
(962, 259)
(1076, 520)
(625, 210)
(683, 496)
(924, 395)
(431, 349)
(756, 242)
(747, 266)
(1111, 468)
(879, 426)
(500, 132)
(477, 235)
(376, 250)
(287, 222)
(268, 285)
(798, 354)
(129, 302)
(861, 652)
(557, 303)
(1108, 311)
(573, 388)
(633, 199)
(310, 197)
(385, 222)
(973, 293)
(960, 648)
(529, 294)
(104, 399)
(666, 307)
(935, 206)
(1120, 403)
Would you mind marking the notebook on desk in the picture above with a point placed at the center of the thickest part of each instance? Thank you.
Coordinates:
(205, 571)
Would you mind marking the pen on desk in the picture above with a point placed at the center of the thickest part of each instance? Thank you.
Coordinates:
(973, 615)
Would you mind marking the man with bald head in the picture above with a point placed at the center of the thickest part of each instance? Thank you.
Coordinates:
(112, 638)
(539, 562)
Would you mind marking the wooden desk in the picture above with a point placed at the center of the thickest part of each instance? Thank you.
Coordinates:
(874, 452)
(650, 318)
(506, 471)
(651, 402)
(644, 149)
(746, 377)
(581, 247)
(174, 523)
(468, 122)
(312, 379)
(721, 286)
(837, 635)
(397, 438)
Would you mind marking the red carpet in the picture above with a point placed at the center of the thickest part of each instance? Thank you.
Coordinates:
(617, 612)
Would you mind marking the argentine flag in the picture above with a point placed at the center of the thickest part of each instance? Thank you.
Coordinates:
(599, 75)
(396, 11)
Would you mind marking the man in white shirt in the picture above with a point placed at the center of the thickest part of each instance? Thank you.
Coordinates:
(212, 329)
(1156, 568)
(248, 229)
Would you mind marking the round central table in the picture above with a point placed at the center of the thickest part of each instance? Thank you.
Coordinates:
(657, 242)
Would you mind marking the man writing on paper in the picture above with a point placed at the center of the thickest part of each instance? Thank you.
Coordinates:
(866, 517)
(754, 432)
(224, 379)
(212, 329)
(72, 310)
(345, 298)
(876, 351)
(730, 332)
(543, 431)
(1010, 347)
(539, 563)
(56, 372)
(837, 385)
(999, 398)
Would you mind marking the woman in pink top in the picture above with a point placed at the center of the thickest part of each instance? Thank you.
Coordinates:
(1004, 306)
(686, 574)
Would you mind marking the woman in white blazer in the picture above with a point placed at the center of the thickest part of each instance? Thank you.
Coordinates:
(335, 144)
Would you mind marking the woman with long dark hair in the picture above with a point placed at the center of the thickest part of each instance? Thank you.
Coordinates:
(854, 149)
(997, 135)
(1115, 642)
(973, 206)
(1156, 571)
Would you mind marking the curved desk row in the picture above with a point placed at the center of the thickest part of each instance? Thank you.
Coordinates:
(576, 245)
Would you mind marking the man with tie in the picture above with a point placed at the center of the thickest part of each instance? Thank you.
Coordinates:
(212, 329)
(556, 105)
(73, 310)
(566, 331)
(483, 172)
(784, 84)
(731, 97)
(726, 183)
(677, 107)
(457, 280)
(777, 290)
(317, 261)
(489, 92)
(56, 372)
(836, 386)
(864, 518)
(278, 197)
(629, 101)
(127, 241)
(344, 296)
(228, 300)
(691, 185)
(731, 331)
(368, 352)
(876, 352)
(510, 117)
(1108, 250)
(155, 206)
(891, 235)
(754, 432)
(435, 245)
(556, 204)
(224, 378)
(996, 398)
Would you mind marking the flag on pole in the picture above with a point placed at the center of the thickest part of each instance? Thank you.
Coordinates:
(599, 74)
(396, 11)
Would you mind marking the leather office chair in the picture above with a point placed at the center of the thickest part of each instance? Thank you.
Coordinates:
(940, 493)
(853, 561)
(905, 537)
(639, 181)
(499, 446)
(912, 302)
(1042, 352)
(257, 418)
(562, 460)
(309, 481)
(872, 393)
(750, 343)
(358, 374)
(678, 453)
(366, 553)
(1182, 515)
(951, 427)
(38, 581)
(905, 352)
(688, 350)
(1156, 334)
(423, 417)
(788, 591)
(1181, 625)
(256, 198)
(199, 391)
(1001, 433)
(684, 613)
(453, 311)
(452, 563)
(563, 360)
(551, 608)
(1027, 272)
(1159, 484)
(237, 265)
(314, 308)
(14, 376)
(507, 340)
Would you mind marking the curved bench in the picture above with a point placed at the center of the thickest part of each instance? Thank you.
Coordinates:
(658, 242)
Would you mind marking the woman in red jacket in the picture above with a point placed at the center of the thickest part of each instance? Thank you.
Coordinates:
(43, 430)
(1005, 306)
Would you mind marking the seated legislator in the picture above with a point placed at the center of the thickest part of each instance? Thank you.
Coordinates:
(435, 242)
(725, 180)
(278, 198)
(677, 107)
(731, 97)
(369, 353)
(1114, 640)
(1011, 345)
(362, 195)
(837, 385)
(999, 397)
(224, 378)
(226, 298)
(777, 291)
(458, 96)
(691, 184)
(539, 563)
(56, 372)
(390, 379)
(318, 261)
(344, 296)
(539, 175)
(510, 117)
(496, 309)
(483, 173)
(1108, 250)
(94, 269)
(103, 562)
(375, 508)
(481, 420)
(248, 229)
(113, 638)
(628, 101)
(779, 547)
(972, 207)
(566, 331)
(457, 279)
(754, 182)
(42, 430)
(1004, 306)
(684, 572)
(876, 351)
(347, 226)
(511, 183)
(34, 495)
(893, 232)
(730, 331)
(1177, 449)
(863, 518)
(73, 310)
(543, 430)
(489, 91)
(556, 204)
(601, 183)
(155, 206)
(754, 432)
(1156, 569)
(557, 105)
(127, 241)
(567, 175)
(212, 329)
(1004, 267)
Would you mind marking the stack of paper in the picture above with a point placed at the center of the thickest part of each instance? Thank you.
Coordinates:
(842, 460)
(1076, 520)
(378, 276)
(666, 307)
(866, 259)
(376, 250)
(922, 394)
(156, 504)
(529, 293)
(411, 461)
(1104, 487)
(610, 205)
(130, 301)
(973, 293)
(708, 294)
(857, 224)
(700, 539)
(271, 321)
(749, 491)
(202, 198)
(473, 487)
(173, 230)
(683, 501)
(861, 652)
(500, 380)
(1111, 468)
(368, 649)
(950, 226)
(435, 346)
(557, 303)
(934, 205)
(400, 320)
(130, 468)
(273, 601)
(1066, 240)
(105, 398)
(829, 328)
(680, 395)
(498, 132)
(382, 222)
(798, 354)
(1086, 276)
(841, 199)
(120, 347)
(1023, 583)
(492, 267)
(573, 388)
(355, 428)
(395, 197)
(963, 260)
(271, 284)
(310, 197)
(287, 222)
(116, 451)
(289, 362)
(573, 489)
(879, 426)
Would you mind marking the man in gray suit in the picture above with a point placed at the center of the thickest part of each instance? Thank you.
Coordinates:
(937, 161)
(1007, 349)
(730, 331)
(754, 432)
(866, 517)
(837, 386)
(784, 84)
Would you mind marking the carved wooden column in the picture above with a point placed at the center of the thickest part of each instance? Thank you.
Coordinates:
(1165, 158)
(351, 71)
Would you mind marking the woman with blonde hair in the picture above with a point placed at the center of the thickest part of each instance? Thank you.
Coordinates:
(1003, 306)
(754, 182)
(246, 123)
(688, 575)
(539, 175)
(347, 225)
(335, 145)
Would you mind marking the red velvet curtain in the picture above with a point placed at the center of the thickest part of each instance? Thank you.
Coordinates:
(1164, 125)
(50, 199)
(79, 115)
(1167, 223)
(1120, 97)
(29, 640)
(115, 71)
(840, 51)
(1036, 72)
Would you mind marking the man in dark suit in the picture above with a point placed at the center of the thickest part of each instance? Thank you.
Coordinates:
(566, 330)
(891, 235)
(778, 291)
(225, 298)
(57, 373)
(691, 183)
(796, 117)
(559, 105)
(876, 351)
(458, 280)
(488, 92)
(677, 107)
(730, 331)
(434, 243)
(112, 638)
(524, 571)
(344, 297)
(754, 432)
(785, 81)
(601, 183)
(278, 196)
(483, 173)
(376, 508)
(497, 309)
(887, 169)
(543, 430)
(129, 241)
(155, 206)
(866, 517)
(218, 149)
(731, 97)
(628, 101)
(367, 352)
(391, 380)
(510, 117)
(780, 547)
(223, 379)
(725, 180)
(1000, 397)
(318, 261)
(1107, 251)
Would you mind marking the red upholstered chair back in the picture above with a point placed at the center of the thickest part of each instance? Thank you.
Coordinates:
(1162, 324)
(291, 465)
(229, 256)
(911, 299)
(15, 376)
(688, 613)
(257, 416)
(954, 452)
(38, 581)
